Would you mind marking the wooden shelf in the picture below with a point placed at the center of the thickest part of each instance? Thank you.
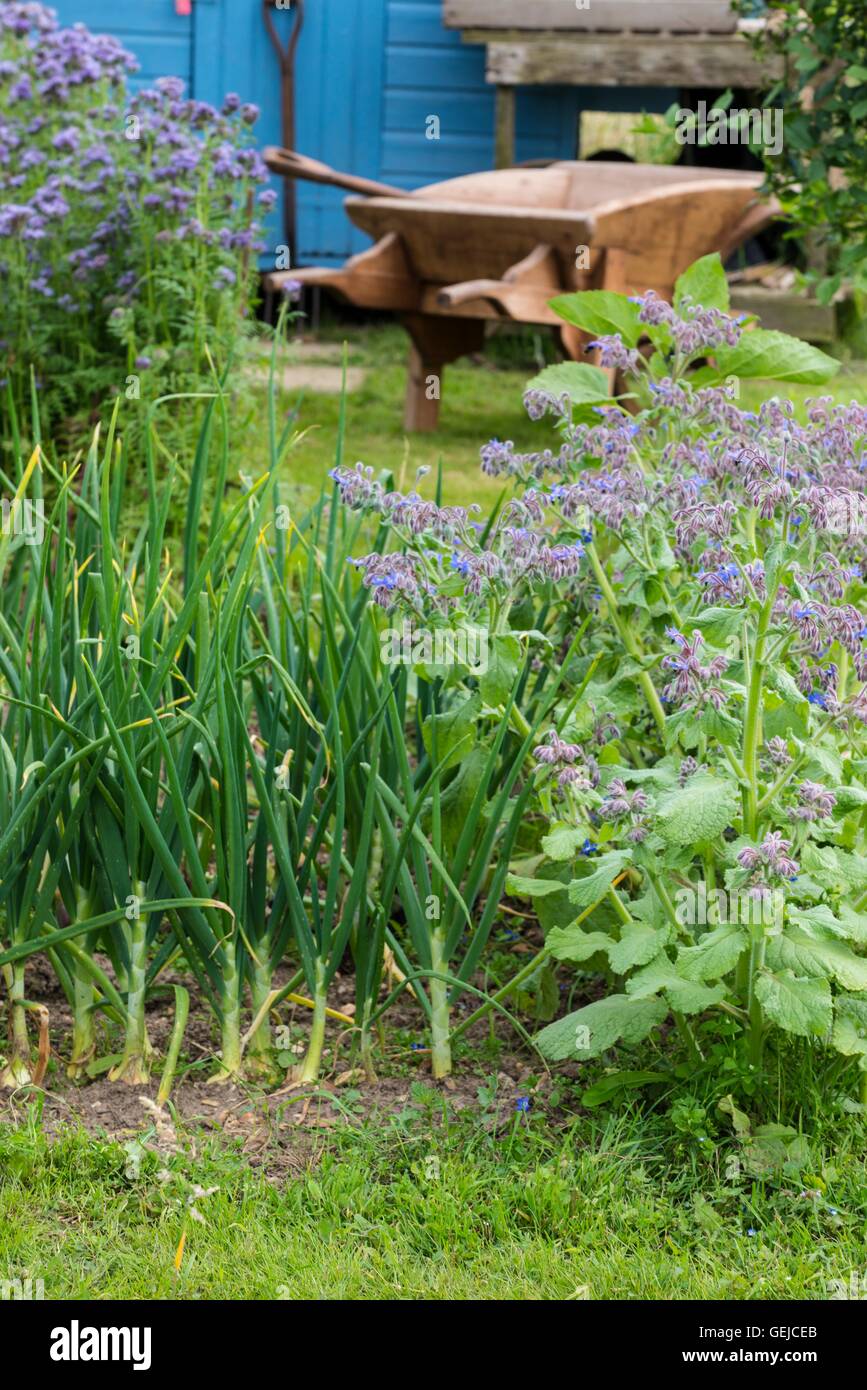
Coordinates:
(673, 16)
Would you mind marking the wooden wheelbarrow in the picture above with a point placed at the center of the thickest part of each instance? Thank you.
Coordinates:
(453, 256)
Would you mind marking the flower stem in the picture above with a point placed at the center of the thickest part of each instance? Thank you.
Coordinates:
(309, 1069)
(754, 1008)
(134, 1065)
(625, 634)
(18, 1070)
(753, 722)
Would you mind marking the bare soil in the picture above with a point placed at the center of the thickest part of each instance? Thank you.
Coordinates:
(281, 1129)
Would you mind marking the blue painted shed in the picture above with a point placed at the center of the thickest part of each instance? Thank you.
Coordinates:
(368, 75)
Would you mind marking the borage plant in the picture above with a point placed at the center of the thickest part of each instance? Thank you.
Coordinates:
(706, 799)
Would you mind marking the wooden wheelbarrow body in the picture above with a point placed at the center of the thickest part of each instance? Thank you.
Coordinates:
(453, 256)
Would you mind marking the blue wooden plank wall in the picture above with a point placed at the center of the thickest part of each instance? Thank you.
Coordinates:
(429, 72)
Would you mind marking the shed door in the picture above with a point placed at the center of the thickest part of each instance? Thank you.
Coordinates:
(338, 116)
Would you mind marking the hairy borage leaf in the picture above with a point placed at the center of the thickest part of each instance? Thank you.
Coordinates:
(697, 812)
(592, 1030)
(799, 1006)
(716, 954)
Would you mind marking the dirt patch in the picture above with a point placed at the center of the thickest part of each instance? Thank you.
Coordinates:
(284, 1128)
(280, 1133)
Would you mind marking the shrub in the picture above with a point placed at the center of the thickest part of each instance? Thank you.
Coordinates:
(819, 178)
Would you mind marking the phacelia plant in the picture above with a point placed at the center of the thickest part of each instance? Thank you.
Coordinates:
(128, 228)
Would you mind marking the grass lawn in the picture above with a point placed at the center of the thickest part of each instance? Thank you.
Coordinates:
(427, 1203)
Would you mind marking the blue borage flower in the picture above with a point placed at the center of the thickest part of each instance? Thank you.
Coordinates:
(570, 765)
(770, 857)
(614, 355)
(694, 684)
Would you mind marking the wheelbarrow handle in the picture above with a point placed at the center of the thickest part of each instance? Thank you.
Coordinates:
(300, 166)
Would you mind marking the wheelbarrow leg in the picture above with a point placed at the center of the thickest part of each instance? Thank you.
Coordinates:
(423, 387)
(433, 343)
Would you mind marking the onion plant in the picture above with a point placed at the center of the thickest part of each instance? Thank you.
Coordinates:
(307, 666)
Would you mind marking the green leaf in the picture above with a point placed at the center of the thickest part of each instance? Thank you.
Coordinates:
(714, 956)
(835, 868)
(773, 1148)
(705, 1214)
(556, 909)
(703, 283)
(849, 1034)
(720, 726)
(807, 955)
(796, 1005)
(824, 764)
(779, 680)
(820, 920)
(850, 798)
(601, 312)
(504, 661)
(610, 1086)
(638, 944)
(562, 842)
(698, 812)
(685, 996)
(572, 943)
(454, 733)
(584, 891)
(581, 382)
(520, 887)
(592, 1030)
(852, 924)
(774, 356)
(740, 1121)
(456, 801)
(718, 624)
